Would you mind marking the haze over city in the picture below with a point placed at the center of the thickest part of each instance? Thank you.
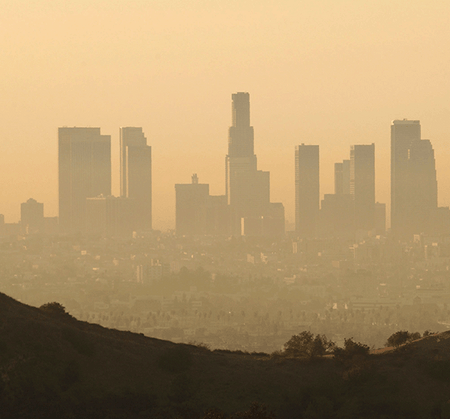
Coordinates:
(224, 209)
(327, 73)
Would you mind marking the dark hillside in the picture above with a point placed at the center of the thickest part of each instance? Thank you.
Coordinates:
(52, 365)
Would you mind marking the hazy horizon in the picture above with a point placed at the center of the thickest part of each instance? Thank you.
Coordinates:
(327, 73)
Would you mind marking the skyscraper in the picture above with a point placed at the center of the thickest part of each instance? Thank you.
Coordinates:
(247, 188)
(362, 185)
(307, 190)
(136, 173)
(403, 132)
(413, 179)
(423, 185)
(84, 165)
(342, 177)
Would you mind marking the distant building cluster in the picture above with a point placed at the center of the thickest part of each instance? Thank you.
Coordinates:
(85, 201)
(352, 209)
(86, 204)
(245, 209)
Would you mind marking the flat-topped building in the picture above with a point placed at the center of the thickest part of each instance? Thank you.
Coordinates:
(136, 174)
(84, 171)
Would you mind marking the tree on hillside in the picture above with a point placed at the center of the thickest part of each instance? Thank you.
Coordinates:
(306, 345)
(401, 337)
(351, 349)
(54, 308)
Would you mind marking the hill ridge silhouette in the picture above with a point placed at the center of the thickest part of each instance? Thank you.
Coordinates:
(52, 365)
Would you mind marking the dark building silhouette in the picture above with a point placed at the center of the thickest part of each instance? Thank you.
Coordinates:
(337, 216)
(198, 213)
(136, 174)
(307, 192)
(342, 177)
(439, 222)
(191, 207)
(217, 216)
(413, 180)
(247, 188)
(274, 220)
(51, 225)
(423, 185)
(32, 216)
(110, 216)
(352, 207)
(84, 165)
(338, 178)
(403, 132)
(362, 185)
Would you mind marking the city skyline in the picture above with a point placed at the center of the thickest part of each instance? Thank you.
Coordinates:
(245, 209)
(138, 141)
(319, 73)
(140, 218)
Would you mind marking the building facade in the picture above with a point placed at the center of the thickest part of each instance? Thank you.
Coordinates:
(191, 201)
(247, 188)
(307, 190)
(110, 216)
(198, 212)
(342, 177)
(362, 185)
(84, 171)
(32, 216)
(136, 173)
(413, 179)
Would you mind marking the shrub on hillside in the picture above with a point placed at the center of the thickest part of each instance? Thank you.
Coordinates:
(55, 309)
(306, 345)
(351, 349)
(401, 337)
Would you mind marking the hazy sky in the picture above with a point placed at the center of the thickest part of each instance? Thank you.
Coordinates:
(327, 72)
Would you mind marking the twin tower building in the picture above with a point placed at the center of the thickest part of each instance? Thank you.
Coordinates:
(86, 203)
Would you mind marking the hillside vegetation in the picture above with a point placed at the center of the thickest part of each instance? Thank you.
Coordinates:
(54, 366)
